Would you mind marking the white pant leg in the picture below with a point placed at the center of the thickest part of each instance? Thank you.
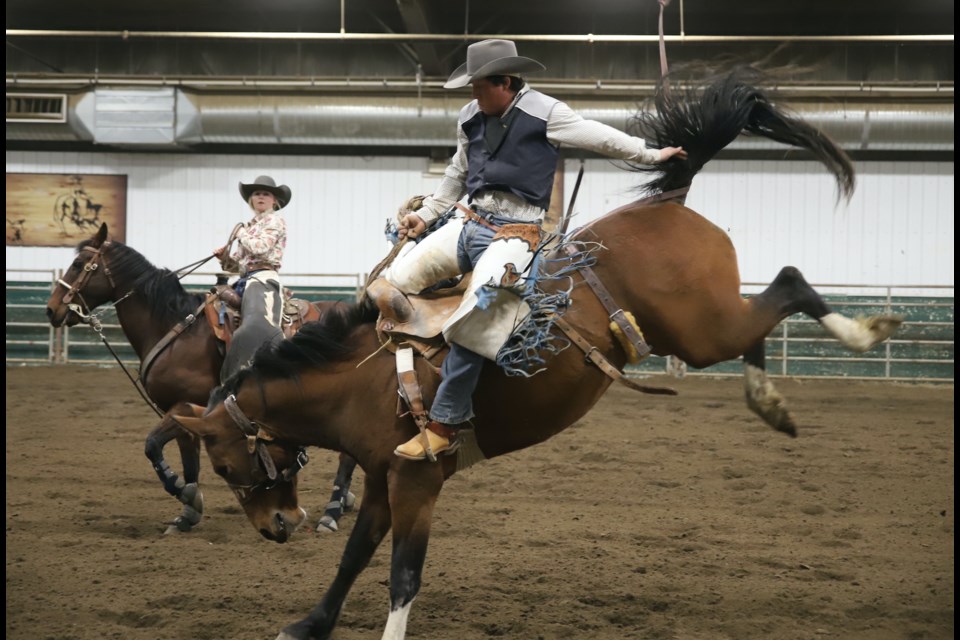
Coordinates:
(429, 261)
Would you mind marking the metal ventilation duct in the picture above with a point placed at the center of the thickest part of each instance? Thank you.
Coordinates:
(70, 128)
(168, 117)
(36, 107)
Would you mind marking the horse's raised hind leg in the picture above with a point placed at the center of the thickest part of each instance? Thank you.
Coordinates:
(373, 522)
(185, 489)
(791, 293)
(788, 294)
(342, 499)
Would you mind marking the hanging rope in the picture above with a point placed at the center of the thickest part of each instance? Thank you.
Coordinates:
(663, 52)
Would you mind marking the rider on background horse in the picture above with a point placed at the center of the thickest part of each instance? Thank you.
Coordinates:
(509, 138)
(258, 257)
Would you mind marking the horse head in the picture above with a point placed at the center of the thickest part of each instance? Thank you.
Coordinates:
(261, 472)
(85, 285)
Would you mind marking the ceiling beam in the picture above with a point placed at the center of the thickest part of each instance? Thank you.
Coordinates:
(472, 37)
(415, 19)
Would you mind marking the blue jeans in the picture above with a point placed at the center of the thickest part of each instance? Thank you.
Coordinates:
(461, 368)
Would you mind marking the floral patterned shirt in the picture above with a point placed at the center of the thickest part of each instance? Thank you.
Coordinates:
(261, 241)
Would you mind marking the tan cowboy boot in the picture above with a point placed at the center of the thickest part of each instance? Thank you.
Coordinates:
(442, 441)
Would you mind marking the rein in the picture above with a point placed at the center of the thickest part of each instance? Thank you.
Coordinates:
(187, 270)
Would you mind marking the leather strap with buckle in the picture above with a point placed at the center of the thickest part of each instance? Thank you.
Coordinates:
(593, 355)
(470, 214)
(613, 309)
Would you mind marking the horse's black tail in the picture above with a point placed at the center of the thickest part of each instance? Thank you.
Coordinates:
(706, 118)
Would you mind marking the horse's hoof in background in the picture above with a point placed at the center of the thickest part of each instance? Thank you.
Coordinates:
(179, 525)
(192, 514)
(327, 524)
(335, 511)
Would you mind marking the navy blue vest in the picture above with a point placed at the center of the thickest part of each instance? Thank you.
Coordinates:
(524, 162)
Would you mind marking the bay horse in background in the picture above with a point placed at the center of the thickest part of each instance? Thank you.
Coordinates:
(674, 270)
(151, 303)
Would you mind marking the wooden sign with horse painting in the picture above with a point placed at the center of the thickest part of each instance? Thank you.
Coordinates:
(670, 267)
(59, 210)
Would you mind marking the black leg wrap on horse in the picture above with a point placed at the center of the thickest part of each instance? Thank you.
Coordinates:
(341, 500)
(172, 483)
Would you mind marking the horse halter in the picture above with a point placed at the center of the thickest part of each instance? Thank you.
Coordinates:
(92, 265)
(257, 448)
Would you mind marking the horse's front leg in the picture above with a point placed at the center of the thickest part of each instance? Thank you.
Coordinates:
(191, 496)
(185, 489)
(342, 499)
(373, 522)
(414, 488)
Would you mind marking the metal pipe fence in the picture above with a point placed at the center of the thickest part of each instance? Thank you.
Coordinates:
(27, 330)
(922, 351)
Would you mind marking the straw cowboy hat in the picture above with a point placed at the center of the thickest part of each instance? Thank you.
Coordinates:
(266, 183)
(491, 58)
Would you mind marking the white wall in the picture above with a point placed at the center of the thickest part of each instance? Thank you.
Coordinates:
(897, 229)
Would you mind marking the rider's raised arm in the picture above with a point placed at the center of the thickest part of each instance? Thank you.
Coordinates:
(568, 128)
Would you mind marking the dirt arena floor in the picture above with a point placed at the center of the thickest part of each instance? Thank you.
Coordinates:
(658, 518)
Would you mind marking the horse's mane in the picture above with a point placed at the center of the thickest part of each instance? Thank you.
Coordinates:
(169, 303)
(316, 343)
(705, 117)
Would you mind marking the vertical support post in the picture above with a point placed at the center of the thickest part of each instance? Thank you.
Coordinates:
(888, 349)
(784, 350)
(551, 220)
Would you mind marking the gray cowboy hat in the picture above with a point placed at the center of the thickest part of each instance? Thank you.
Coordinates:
(491, 58)
(266, 183)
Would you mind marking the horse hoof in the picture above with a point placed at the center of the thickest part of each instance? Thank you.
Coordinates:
(884, 326)
(179, 525)
(765, 401)
(349, 501)
(298, 631)
(327, 524)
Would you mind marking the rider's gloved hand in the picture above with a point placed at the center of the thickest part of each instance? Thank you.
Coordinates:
(411, 225)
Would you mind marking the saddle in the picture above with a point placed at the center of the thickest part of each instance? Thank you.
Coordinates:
(223, 312)
(415, 319)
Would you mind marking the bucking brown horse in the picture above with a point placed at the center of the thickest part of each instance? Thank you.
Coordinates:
(332, 386)
(179, 353)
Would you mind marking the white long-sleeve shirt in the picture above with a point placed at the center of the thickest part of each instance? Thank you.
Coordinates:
(564, 128)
